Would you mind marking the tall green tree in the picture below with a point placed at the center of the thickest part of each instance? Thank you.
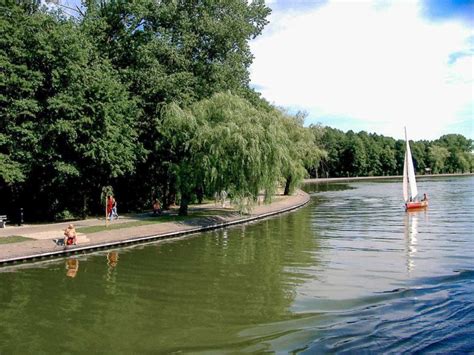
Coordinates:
(334, 142)
(174, 52)
(387, 159)
(69, 122)
(354, 156)
(438, 156)
(459, 148)
(420, 155)
(18, 85)
(373, 152)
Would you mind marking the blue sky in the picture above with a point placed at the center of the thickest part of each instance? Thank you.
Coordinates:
(371, 65)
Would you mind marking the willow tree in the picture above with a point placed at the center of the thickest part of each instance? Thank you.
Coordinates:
(303, 151)
(224, 143)
(243, 147)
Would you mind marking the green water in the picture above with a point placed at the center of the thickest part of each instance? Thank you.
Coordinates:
(195, 293)
(351, 271)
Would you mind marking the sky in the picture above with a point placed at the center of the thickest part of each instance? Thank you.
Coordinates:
(371, 65)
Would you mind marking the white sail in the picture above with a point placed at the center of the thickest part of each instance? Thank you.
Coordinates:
(410, 173)
(405, 179)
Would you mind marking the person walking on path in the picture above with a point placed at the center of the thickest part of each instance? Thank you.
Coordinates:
(223, 196)
(110, 206)
(114, 209)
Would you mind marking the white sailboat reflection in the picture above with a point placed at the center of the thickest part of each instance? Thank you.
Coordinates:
(411, 241)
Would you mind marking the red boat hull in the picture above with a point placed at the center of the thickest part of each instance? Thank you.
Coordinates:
(416, 205)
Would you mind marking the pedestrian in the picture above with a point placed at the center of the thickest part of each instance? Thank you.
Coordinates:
(114, 209)
(110, 206)
(223, 197)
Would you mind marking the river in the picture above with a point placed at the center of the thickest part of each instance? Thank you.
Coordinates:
(349, 272)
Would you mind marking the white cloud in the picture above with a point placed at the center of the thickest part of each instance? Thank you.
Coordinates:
(384, 65)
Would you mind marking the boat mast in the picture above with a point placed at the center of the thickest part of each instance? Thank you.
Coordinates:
(410, 170)
(405, 172)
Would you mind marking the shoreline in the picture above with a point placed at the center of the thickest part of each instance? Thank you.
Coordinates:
(41, 246)
(388, 177)
(44, 248)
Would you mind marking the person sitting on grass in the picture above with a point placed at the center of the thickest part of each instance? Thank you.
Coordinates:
(70, 235)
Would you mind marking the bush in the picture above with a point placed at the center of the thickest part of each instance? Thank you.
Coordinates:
(64, 215)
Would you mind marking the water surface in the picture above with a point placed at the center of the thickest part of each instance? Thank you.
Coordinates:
(349, 272)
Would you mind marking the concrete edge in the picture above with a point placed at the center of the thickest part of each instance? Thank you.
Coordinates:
(149, 238)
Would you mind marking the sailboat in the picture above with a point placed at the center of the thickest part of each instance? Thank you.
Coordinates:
(410, 190)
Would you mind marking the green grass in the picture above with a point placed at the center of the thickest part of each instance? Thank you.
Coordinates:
(111, 226)
(153, 220)
(13, 239)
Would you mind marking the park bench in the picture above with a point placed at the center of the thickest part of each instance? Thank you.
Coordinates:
(3, 221)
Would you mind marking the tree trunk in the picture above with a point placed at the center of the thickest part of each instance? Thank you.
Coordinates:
(183, 206)
(199, 194)
(169, 198)
(84, 206)
(287, 186)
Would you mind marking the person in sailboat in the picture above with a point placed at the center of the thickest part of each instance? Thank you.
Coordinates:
(425, 198)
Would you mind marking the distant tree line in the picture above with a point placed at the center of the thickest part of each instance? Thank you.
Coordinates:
(364, 154)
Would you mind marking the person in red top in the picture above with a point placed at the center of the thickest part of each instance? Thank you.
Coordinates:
(110, 206)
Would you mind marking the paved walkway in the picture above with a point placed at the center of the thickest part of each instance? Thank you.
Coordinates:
(43, 245)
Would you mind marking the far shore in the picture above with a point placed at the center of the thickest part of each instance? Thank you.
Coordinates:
(355, 178)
